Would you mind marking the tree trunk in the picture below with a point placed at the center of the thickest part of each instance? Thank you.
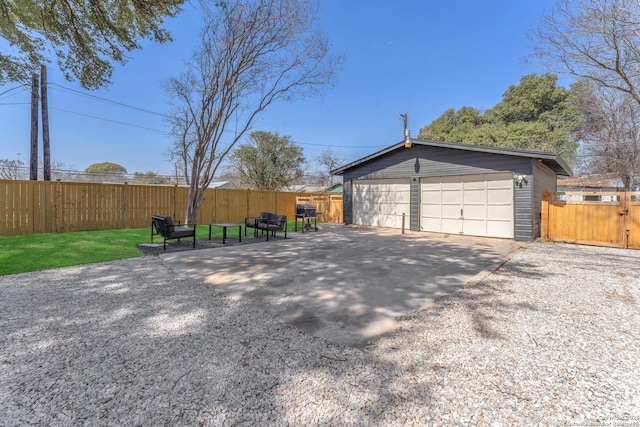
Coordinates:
(194, 201)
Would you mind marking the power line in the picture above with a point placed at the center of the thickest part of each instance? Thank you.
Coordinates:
(133, 107)
(110, 101)
(12, 89)
(107, 120)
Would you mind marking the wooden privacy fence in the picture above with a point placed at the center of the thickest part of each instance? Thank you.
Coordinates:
(29, 207)
(330, 205)
(593, 218)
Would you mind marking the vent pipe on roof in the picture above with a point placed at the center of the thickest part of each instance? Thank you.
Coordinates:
(407, 138)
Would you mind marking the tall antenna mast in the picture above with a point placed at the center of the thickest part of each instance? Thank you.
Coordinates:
(404, 117)
(407, 136)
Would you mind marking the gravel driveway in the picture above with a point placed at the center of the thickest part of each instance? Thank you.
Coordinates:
(551, 337)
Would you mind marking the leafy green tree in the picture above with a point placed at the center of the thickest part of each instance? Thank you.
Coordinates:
(536, 114)
(106, 167)
(150, 178)
(86, 36)
(105, 171)
(533, 96)
(268, 161)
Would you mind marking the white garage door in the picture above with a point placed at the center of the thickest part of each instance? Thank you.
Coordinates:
(381, 202)
(477, 205)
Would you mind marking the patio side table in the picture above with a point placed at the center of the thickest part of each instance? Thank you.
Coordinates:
(224, 226)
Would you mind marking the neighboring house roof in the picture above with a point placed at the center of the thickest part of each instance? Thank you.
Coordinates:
(553, 161)
(304, 188)
(335, 188)
(222, 184)
(592, 182)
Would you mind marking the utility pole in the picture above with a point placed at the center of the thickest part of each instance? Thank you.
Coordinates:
(46, 147)
(407, 137)
(33, 170)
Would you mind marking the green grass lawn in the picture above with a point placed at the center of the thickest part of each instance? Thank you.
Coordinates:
(34, 252)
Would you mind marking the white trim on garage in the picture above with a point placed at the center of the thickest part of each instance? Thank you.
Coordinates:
(476, 205)
(381, 202)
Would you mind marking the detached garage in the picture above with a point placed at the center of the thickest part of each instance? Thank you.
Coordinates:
(451, 188)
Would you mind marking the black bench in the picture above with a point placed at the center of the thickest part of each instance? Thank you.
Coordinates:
(164, 226)
(267, 221)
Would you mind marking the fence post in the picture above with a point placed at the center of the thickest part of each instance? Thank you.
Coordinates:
(544, 215)
(174, 202)
(126, 205)
(215, 205)
(248, 209)
(59, 219)
(625, 201)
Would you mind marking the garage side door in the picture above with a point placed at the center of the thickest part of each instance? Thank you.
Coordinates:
(381, 202)
(477, 205)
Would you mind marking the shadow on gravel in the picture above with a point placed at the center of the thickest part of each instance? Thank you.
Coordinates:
(138, 342)
(346, 285)
(130, 343)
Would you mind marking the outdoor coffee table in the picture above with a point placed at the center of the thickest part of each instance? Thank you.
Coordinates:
(224, 226)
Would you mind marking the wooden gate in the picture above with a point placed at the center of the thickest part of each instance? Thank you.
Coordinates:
(592, 218)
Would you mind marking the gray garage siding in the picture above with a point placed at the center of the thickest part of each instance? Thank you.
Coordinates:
(415, 204)
(346, 202)
(426, 161)
(543, 179)
(523, 215)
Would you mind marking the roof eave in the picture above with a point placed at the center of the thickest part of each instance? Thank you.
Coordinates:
(560, 166)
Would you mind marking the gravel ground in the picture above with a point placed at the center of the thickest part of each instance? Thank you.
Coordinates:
(552, 338)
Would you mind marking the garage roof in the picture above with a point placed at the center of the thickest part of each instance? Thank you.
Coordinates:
(554, 162)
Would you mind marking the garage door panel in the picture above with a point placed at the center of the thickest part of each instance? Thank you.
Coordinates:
(403, 197)
(450, 211)
(381, 202)
(473, 227)
(431, 197)
(451, 226)
(474, 196)
(449, 197)
(500, 213)
(448, 180)
(486, 202)
(474, 184)
(431, 211)
(478, 212)
(501, 181)
(500, 229)
(501, 195)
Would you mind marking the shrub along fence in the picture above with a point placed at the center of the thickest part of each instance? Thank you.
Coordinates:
(29, 207)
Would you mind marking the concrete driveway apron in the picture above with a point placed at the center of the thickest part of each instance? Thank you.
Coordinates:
(345, 284)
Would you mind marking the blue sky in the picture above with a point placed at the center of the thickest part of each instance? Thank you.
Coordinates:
(420, 56)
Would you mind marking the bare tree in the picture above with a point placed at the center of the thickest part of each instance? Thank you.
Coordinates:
(596, 40)
(610, 131)
(252, 54)
(329, 160)
(10, 169)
